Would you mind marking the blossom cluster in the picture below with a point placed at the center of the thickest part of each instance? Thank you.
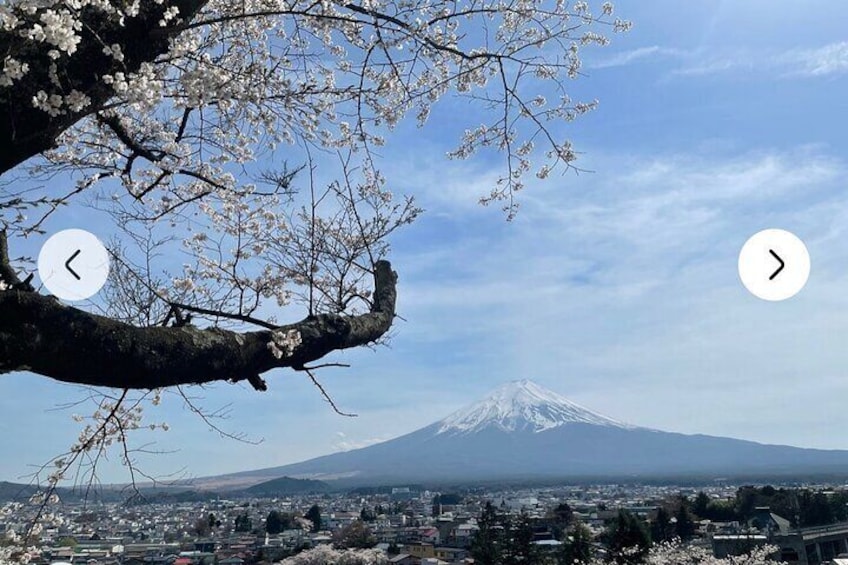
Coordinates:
(284, 343)
(18, 547)
(324, 554)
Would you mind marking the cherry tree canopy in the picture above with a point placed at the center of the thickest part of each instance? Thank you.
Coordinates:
(162, 111)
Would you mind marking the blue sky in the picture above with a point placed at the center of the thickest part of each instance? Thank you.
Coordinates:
(617, 288)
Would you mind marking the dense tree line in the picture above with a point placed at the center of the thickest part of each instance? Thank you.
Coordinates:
(802, 507)
(507, 539)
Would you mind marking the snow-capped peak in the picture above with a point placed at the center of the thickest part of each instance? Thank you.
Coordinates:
(522, 405)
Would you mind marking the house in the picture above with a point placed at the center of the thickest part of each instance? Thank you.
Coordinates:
(451, 554)
(429, 535)
(420, 550)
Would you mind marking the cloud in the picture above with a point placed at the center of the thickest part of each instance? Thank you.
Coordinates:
(714, 66)
(627, 57)
(344, 443)
(827, 60)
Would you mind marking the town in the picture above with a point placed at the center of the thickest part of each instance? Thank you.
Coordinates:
(412, 525)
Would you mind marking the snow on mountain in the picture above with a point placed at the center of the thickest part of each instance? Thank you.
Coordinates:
(522, 406)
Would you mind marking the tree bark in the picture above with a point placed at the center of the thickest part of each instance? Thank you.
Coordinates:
(41, 335)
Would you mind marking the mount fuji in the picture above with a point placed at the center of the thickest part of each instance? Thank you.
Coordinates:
(523, 431)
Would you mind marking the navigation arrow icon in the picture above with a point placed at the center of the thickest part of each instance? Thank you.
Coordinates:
(74, 256)
(73, 264)
(779, 260)
(763, 261)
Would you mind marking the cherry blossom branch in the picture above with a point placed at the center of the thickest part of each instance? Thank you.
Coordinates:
(25, 128)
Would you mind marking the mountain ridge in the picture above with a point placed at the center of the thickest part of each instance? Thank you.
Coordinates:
(523, 430)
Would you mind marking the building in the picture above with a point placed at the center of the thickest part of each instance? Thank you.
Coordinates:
(798, 546)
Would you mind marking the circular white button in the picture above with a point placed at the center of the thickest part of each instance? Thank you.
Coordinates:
(73, 265)
(774, 264)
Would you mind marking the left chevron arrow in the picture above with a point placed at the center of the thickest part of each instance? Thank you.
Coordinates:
(68, 264)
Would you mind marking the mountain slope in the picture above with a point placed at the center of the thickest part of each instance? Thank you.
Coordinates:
(522, 430)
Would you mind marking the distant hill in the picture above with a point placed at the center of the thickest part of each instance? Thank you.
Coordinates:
(287, 485)
(18, 492)
(522, 431)
(14, 492)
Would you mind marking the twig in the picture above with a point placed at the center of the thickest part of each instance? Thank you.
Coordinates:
(327, 396)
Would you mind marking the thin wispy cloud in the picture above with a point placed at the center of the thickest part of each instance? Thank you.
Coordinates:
(827, 60)
(627, 57)
(831, 59)
(713, 66)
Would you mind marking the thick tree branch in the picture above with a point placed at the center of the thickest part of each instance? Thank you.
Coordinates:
(41, 335)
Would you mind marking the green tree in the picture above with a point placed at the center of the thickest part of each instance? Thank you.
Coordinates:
(487, 545)
(67, 541)
(276, 522)
(701, 505)
(559, 518)
(520, 548)
(685, 527)
(627, 538)
(243, 523)
(815, 510)
(314, 516)
(661, 529)
(746, 501)
(839, 505)
(768, 491)
(563, 513)
(367, 515)
(576, 547)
